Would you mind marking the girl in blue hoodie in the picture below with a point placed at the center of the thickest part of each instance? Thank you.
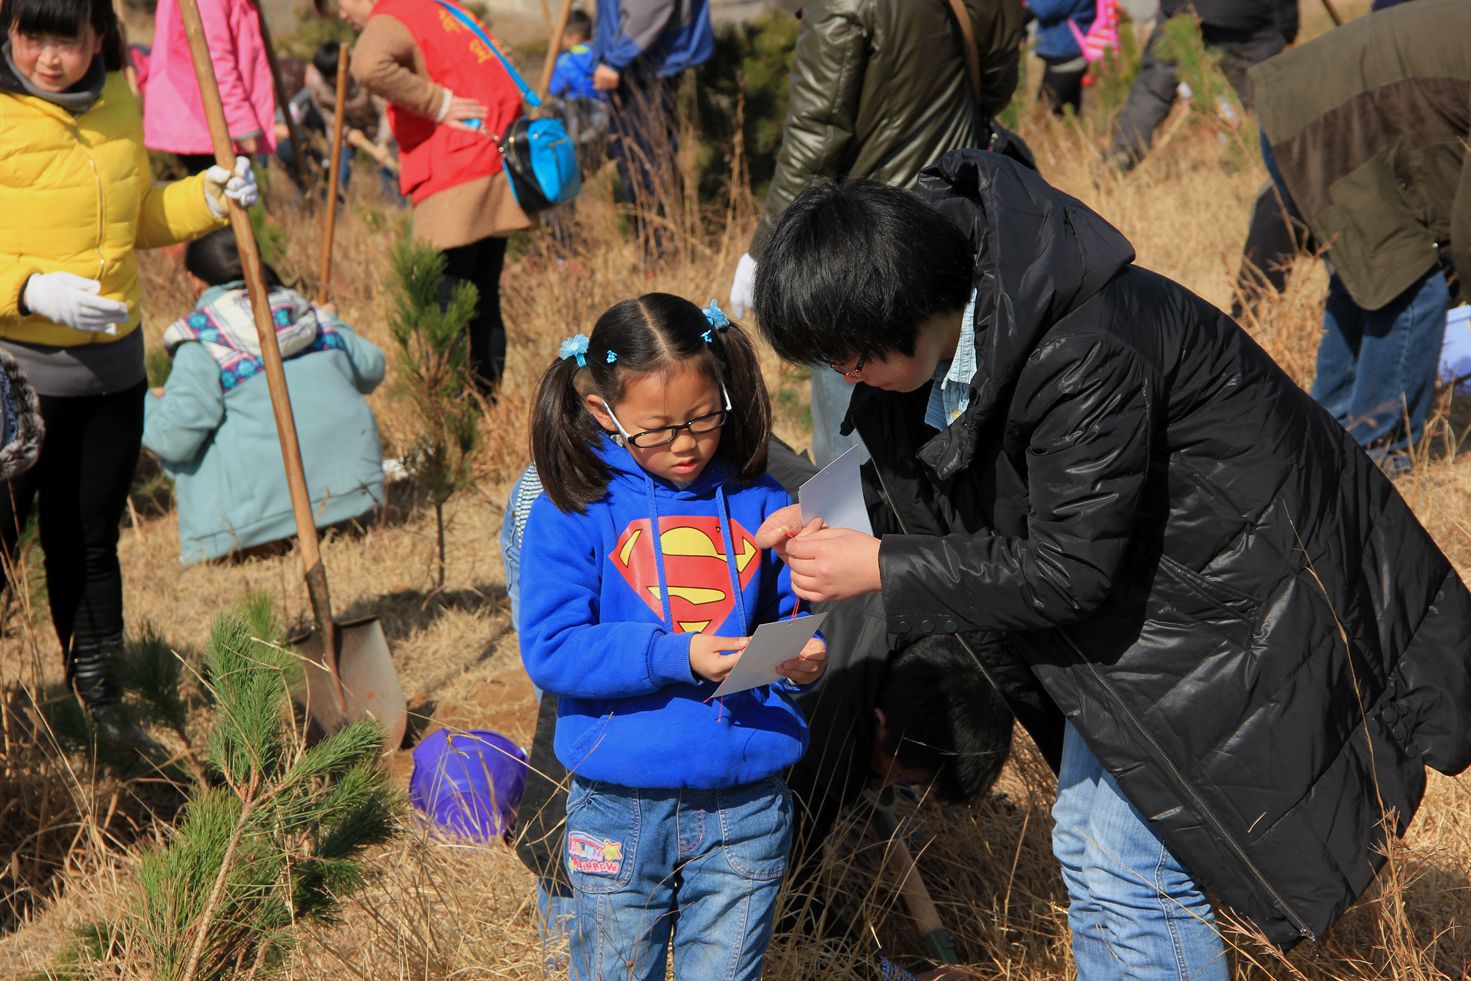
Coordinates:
(640, 584)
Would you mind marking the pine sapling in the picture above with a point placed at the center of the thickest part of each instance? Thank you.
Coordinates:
(435, 376)
(278, 840)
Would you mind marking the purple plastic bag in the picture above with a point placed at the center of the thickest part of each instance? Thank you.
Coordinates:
(469, 781)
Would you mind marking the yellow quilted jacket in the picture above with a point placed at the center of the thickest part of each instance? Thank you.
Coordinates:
(77, 196)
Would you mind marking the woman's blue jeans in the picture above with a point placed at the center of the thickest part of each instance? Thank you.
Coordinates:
(1134, 911)
(705, 865)
(1376, 368)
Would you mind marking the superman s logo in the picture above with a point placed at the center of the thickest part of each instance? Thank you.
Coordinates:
(694, 563)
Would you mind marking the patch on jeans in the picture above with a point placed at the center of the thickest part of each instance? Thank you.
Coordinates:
(597, 856)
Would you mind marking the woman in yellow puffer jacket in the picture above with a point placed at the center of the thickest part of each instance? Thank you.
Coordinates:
(76, 199)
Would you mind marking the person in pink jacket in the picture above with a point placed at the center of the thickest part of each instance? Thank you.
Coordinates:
(173, 110)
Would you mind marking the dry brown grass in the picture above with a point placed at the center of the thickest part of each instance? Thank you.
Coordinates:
(438, 909)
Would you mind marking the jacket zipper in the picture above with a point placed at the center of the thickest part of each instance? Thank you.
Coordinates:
(1297, 921)
(1200, 805)
(101, 208)
(904, 529)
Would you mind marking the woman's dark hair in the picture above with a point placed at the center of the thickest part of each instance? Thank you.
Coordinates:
(215, 259)
(945, 718)
(67, 18)
(852, 270)
(653, 333)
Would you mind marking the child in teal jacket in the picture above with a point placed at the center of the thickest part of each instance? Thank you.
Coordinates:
(212, 424)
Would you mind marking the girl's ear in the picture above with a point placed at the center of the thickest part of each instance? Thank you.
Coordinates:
(594, 404)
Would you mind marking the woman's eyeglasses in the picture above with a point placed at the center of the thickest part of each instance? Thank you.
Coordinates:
(852, 372)
(664, 435)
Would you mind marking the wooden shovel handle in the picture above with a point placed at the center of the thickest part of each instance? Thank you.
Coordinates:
(554, 49)
(329, 221)
(260, 305)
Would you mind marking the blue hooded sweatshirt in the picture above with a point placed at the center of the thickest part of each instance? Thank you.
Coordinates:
(598, 593)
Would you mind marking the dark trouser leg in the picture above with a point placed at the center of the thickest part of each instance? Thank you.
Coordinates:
(83, 477)
(645, 143)
(1062, 85)
(195, 163)
(480, 264)
(1148, 103)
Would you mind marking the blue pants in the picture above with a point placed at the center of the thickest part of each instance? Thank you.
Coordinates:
(1134, 911)
(831, 394)
(1376, 368)
(704, 864)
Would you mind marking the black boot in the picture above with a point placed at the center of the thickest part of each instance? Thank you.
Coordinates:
(90, 671)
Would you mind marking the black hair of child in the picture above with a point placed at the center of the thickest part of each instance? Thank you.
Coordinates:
(215, 259)
(325, 59)
(649, 334)
(853, 270)
(68, 18)
(579, 24)
(945, 718)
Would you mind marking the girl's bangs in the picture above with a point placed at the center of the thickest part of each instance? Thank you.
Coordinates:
(57, 18)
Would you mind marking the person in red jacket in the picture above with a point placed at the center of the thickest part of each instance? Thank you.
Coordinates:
(447, 94)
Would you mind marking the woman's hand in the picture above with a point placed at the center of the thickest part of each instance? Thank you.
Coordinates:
(807, 666)
(706, 659)
(605, 79)
(462, 113)
(832, 563)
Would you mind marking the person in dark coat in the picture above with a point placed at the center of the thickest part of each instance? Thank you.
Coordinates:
(880, 88)
(1242, 32)
(1251, 647)
(1365, 132)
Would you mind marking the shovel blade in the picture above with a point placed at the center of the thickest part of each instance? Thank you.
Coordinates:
(370, 683)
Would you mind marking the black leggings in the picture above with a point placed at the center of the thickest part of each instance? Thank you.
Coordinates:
(480, 264)
(82, 478)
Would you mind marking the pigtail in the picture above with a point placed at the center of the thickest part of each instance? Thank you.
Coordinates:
(562, 441)
(749, 429)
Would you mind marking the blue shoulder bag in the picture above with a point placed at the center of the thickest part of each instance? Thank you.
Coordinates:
(539, 157)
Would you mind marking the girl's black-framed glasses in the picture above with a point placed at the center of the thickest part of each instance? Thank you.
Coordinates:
(664, 435)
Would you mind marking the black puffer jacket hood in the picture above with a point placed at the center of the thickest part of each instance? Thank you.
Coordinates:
(1179, 552)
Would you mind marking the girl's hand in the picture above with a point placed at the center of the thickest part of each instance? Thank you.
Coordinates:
(706, 659)
(808, 666)
(781, 527)
(833, 564)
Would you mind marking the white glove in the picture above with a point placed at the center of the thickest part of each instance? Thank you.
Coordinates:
(743, 286)
(239, 187)
(73, 301)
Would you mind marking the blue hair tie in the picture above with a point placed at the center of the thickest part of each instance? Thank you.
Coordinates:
(716, 316)
(708, 336)
(575, 347)
(612, 355)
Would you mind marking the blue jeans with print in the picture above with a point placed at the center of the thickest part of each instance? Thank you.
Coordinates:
(705, 865)
(1134, 911)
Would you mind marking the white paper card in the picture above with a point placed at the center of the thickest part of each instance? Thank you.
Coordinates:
(835, 494)
(771, 645)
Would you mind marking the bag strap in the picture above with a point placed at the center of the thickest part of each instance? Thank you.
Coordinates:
(968, 39)
(527, 92)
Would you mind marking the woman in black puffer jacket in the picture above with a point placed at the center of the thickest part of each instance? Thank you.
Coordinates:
(1234, 611)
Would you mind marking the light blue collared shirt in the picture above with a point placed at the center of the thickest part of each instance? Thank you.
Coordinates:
(950, 395)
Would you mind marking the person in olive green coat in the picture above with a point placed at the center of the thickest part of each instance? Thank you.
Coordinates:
(880, 89)
(1365, 133)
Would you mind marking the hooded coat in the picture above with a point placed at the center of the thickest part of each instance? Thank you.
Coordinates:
(1180, 551)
